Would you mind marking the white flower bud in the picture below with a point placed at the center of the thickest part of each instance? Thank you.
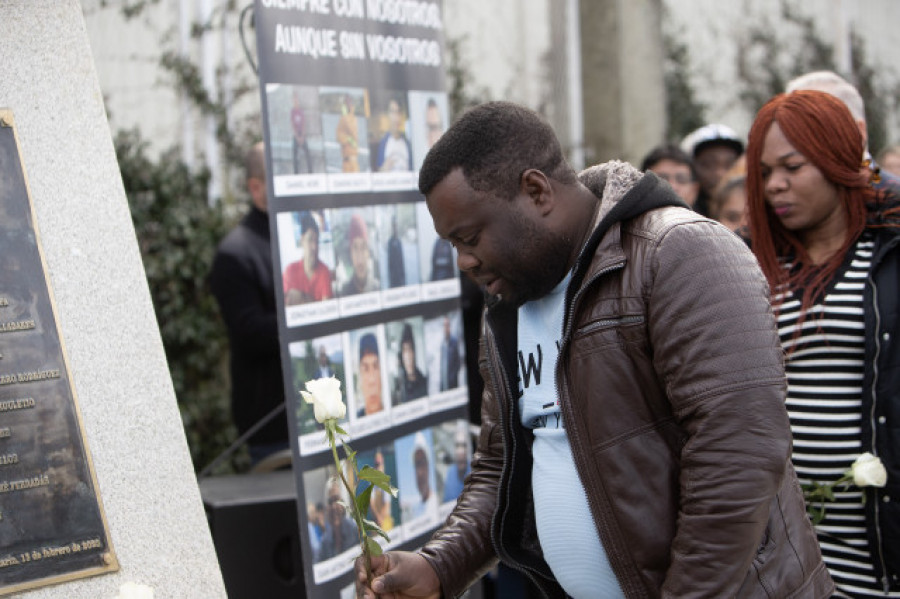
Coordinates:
(868, 471)
(325, 396)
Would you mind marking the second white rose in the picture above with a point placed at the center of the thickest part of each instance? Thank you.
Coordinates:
(868, 471)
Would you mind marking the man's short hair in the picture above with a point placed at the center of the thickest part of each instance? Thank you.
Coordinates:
(255, 162)
(831, 83)
(494, 143)
(667, 152)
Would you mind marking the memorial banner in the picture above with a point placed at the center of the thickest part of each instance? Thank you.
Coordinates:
(52, 525)
(353, 98)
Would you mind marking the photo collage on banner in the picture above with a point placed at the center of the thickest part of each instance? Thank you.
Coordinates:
(353, 98)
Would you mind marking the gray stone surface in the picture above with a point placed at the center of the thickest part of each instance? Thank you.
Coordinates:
(131, 421)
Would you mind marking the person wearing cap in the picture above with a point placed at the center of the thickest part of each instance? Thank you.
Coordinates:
(671, 164)
(307, 279)
(242, 282)
(362, 280)
(714, 149)
(369, 377)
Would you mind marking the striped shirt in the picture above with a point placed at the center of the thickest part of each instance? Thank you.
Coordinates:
(824, 367)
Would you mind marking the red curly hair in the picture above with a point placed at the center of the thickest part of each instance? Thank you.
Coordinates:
(822, 129)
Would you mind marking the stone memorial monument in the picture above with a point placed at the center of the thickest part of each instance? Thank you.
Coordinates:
(96, 484)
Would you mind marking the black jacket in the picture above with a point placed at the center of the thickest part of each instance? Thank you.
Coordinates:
(243, 283)
(881, 402)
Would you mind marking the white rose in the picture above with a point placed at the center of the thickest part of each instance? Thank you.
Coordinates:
(868, 471)
(325, 396)
(132, 590)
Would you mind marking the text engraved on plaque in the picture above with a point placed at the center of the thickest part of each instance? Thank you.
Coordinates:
(52, 525)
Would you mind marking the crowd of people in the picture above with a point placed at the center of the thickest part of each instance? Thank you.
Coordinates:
(707, 378)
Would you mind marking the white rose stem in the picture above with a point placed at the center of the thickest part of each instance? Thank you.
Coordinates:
(357, 517)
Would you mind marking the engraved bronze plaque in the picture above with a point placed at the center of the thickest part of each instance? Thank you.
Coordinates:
(52, 525)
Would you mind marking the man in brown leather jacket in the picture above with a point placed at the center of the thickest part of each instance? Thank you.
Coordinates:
(667, 394)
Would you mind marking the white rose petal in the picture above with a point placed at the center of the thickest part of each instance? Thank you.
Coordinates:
(868, 471)
(325, 395)
(133, 590)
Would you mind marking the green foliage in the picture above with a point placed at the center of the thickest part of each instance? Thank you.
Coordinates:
(684, 112)
(878, 103)
(769, 57)
(460, 94)
(177, 234)
(767, 62)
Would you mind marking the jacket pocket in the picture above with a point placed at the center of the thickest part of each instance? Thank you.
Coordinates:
(612, 331)
(608, 323)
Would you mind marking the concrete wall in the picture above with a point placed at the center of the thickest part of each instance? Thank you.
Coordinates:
(711, 29)
(513, 49)
(105, 315)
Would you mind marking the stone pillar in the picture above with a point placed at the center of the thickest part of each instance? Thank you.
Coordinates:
(622, 75)
(104, 313)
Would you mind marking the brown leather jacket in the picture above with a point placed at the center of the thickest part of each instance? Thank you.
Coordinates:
(672, 392)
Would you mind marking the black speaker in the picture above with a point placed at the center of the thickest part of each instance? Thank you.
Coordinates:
(253, 520)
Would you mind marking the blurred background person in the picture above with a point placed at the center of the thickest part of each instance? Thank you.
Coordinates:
(347, 134)
(369, 377)
(443, 263)
(714, 149)
(434, 122)
(421, 457)
(363, 278)
(450, 358)
(672, 164)
(394, 152)
(242, 282)
(298, 127)
(411, 383)
(307, 279)
(323, 364)
(459, 469)
(728, 205)
(380, 501)
(889, 160)
(829, 246)
(340, 531)
(835, 85)
(396, 266)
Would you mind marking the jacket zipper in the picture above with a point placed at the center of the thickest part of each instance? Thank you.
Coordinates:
(573, 431)
(508, 465)
(885, 576)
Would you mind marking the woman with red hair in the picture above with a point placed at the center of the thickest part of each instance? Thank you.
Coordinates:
(829, 246)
